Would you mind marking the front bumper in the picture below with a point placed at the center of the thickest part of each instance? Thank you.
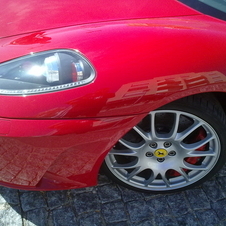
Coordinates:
(57, 154)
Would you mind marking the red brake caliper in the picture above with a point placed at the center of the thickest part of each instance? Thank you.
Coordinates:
(191, 160)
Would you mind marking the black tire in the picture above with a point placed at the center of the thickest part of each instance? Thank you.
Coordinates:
(185, 147)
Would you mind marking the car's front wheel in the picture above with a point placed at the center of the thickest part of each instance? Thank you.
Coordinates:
(172, 148)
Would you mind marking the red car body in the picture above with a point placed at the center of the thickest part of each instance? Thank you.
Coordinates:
(145, 55)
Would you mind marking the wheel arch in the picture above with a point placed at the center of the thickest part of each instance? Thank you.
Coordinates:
(211, 108)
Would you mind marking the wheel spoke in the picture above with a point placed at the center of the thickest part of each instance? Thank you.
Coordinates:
(166, 181)
(146, 136)
(183, 174)
(197, 145)
(194, 167)
(130, 145)
(123, 152)
(134, 172)
(151, 179)
(201, 153)
(172, 134)
(181, 136)
(129, 165)
(154, 175)
(153, 130)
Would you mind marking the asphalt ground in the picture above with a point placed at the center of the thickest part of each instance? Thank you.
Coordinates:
(111, 205)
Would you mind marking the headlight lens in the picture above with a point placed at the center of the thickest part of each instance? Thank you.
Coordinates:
(45, 72)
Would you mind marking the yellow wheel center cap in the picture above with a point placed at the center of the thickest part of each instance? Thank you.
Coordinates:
(160, 153)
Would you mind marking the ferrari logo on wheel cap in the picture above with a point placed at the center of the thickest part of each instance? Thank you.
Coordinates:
(160, 153)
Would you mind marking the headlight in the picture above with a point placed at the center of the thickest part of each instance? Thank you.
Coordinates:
(45, 72)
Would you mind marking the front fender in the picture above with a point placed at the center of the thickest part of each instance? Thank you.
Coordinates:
(140, 64)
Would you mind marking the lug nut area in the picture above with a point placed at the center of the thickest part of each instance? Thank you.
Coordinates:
(149, 154)
(160, 151)
(172, 153)
(167, 144)
(160, 159)
(153, 145)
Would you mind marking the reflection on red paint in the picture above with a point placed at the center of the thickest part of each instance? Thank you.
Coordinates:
(34, 38)
(60, 148)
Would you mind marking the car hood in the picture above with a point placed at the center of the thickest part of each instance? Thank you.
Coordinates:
(24, 16)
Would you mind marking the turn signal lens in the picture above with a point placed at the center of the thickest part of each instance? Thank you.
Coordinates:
(45, 72)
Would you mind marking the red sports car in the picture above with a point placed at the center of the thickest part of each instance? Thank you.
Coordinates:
(135, 89)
